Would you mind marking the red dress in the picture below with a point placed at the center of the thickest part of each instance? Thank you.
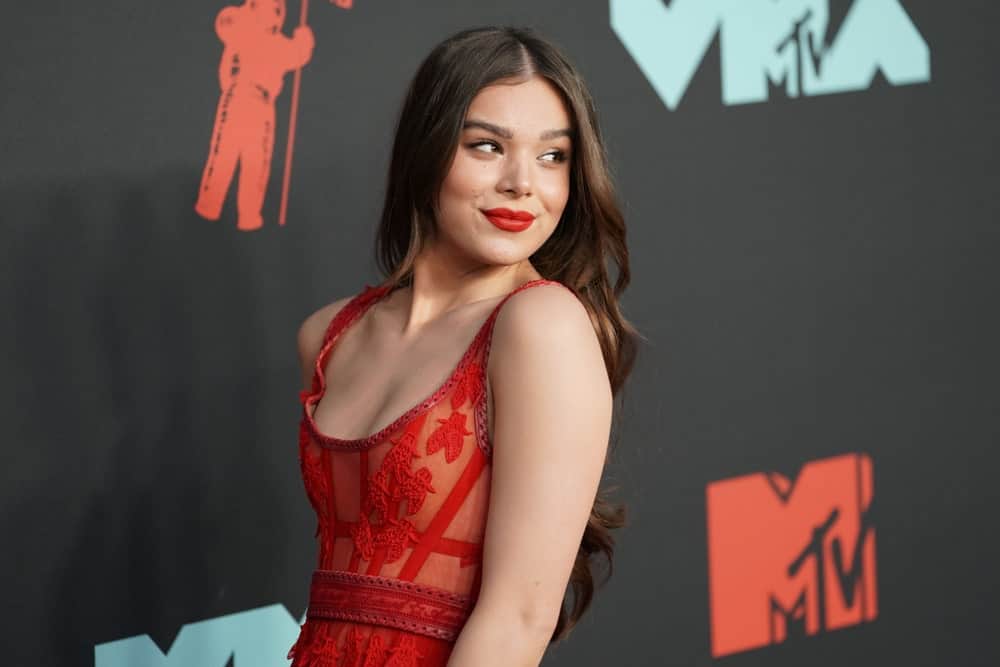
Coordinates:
(401, 514)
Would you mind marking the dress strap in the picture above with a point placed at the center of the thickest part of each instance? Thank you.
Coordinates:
(346, 315)
(486, 333)
(360, 302)
(482, 343)
(519, 288)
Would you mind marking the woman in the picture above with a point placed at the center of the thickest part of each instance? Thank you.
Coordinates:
(476, 380)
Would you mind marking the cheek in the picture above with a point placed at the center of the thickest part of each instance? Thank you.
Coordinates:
(467, 177)
(554, 192)
(462, 192)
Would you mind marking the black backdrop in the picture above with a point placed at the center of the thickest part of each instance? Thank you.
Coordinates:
(815, 275)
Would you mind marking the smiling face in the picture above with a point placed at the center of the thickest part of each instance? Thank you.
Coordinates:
(514, 153)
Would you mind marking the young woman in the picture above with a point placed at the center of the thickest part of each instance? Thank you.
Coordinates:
(456, 416)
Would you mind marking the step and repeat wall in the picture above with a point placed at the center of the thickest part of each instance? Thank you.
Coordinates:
(807, 445)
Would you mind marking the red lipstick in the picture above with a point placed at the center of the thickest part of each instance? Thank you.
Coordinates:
(508, 219)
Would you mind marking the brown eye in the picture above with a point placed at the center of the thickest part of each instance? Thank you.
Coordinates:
(483, 143)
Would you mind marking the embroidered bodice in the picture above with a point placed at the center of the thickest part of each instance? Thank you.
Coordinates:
(400, 515)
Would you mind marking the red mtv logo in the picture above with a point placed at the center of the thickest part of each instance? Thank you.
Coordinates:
(790, 558)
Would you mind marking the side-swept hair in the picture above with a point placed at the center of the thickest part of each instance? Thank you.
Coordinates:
(589, 236)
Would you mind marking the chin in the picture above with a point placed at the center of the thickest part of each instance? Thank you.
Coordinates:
(505, 252)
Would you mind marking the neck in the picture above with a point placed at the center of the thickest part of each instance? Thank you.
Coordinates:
(441, 285)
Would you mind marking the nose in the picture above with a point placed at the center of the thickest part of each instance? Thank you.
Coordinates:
(516, 178)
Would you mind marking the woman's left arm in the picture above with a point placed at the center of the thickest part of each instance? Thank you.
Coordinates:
(552, 419)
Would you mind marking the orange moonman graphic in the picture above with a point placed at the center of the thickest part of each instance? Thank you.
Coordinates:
(791, 557)
(255, 58)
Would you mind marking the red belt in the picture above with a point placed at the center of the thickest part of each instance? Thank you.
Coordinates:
(364, 598)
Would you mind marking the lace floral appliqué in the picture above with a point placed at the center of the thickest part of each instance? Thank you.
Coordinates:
(389, 487)
(450, 436)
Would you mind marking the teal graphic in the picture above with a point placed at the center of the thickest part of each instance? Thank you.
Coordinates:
(254, 638)
(781, 41)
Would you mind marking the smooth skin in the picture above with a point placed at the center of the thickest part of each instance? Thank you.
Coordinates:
(550, 404)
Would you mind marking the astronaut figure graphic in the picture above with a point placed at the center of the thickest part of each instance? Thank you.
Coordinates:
(255, 58)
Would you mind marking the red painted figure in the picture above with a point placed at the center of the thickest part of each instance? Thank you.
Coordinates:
(255, 59)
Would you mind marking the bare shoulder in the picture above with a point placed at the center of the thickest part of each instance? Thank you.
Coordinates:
(310, 336)
(543, 313)
(546, 330)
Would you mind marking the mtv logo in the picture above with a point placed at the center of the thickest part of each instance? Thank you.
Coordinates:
(782, 42)
(790, 557)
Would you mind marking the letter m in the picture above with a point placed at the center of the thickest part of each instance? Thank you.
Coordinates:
(255, 638)
(790, 556)
(667, 43)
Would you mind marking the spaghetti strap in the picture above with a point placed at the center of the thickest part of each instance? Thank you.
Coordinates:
(491, 320)
(524, 286)
(359, 303)
(338, 323)
(351, 310)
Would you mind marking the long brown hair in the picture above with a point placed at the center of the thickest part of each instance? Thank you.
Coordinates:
(590, 233)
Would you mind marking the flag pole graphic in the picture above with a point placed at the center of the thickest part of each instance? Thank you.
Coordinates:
(292, 115)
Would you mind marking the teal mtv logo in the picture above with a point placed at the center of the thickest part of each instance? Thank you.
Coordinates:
(257, 637)
(783, 42)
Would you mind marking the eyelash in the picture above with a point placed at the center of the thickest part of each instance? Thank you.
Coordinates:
(560, 155)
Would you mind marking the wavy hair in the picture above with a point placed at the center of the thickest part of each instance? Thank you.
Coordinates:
(591, 233)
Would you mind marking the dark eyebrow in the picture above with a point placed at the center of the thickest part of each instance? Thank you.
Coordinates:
(507, 134)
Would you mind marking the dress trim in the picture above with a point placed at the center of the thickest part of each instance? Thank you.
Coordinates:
(395, 603)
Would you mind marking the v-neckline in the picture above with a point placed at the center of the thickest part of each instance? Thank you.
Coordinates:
(366, 442)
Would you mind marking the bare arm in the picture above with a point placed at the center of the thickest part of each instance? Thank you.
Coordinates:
(552, 421)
